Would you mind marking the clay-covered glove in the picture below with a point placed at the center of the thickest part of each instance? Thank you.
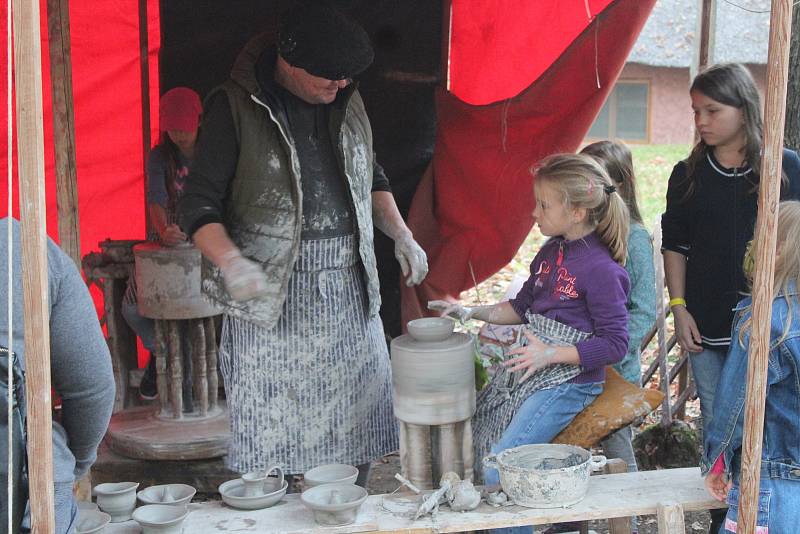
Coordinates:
(451, 309)
(244, 279)
(413, 260)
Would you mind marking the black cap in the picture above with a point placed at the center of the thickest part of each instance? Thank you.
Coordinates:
(323, 41)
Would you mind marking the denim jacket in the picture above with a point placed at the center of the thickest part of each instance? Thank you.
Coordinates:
(780, 456)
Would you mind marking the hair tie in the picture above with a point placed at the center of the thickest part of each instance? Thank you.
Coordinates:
(609, 189)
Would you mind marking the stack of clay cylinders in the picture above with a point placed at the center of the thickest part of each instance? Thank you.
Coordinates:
(433, 377)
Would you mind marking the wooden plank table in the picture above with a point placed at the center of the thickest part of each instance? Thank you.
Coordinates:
(667, 493)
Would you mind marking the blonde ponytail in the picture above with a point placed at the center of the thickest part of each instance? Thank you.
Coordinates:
(586, 184)
(614, 226)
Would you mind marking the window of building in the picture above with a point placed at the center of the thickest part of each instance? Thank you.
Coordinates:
(625, 114)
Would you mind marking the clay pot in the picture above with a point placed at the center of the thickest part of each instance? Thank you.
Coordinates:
(334, 504)
(118, 499)
(433, 373)
(160, 518)
(545, 475)
(254, 490)
(330, 474)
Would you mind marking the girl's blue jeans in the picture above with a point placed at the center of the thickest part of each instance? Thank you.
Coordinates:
(778, 507)
(540, 418)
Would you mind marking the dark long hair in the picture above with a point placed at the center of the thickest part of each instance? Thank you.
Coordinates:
(733, 85)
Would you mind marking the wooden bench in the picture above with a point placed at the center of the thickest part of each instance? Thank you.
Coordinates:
(666, 493)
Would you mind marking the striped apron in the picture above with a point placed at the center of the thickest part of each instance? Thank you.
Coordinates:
(315, 388)
(499, 401)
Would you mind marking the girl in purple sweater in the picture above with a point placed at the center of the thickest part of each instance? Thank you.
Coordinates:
(573, 306)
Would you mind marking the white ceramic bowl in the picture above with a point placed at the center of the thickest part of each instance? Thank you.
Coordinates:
(232, 493)
(334, 504)
(330, 474)
(91, 521)
(431, 328)
(172, 494)
(117, 499)
(160, 518)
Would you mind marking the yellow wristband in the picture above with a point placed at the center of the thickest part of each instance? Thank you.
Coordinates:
(677, 302)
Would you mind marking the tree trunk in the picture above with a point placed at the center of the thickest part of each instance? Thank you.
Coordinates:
(792, 128)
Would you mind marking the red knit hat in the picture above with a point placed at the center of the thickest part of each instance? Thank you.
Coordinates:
(179, 109)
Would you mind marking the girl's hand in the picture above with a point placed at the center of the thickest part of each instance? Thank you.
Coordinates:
(532, 357)
(717, 486)
(686, 328)
(172, 235)
(451, 309)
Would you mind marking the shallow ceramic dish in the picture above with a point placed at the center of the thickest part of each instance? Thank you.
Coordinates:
(334, 504)
(91, 521)
(330, 474)
(431, 328)
(160, 518)
(172, 494)
(232, 493)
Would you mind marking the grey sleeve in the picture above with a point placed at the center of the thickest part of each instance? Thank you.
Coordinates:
(80, 363)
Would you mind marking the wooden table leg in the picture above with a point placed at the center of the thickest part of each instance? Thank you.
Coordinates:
(175, 369)
(200, 382)
(618, 525)
(160, 354)
(670, 519)
(211, 361)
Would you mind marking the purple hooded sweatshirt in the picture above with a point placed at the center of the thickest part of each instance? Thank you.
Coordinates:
(578, 283)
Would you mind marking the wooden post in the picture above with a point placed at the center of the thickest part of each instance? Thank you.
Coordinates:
(661, 320)
(200, 380)
(175, 368)
(763, 277)
(64, 128)
(211, 361)
(144, 75)
(706, 27)
(30, 154)
(670, 519)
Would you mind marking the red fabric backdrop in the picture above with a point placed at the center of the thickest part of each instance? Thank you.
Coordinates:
(474, 205)
(108, 117)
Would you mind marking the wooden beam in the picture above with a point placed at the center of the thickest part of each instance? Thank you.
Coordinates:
(30, 154)
(144, 75)
(670, 519)
(661, 318)
(706, 27)
(64, 128)
(763, 277)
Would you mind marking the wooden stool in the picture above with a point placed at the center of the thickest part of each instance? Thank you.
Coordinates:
(169, 366)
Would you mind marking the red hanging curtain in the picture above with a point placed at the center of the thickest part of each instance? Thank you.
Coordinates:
(527, 80)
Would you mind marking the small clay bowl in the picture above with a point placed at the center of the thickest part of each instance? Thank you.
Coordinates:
(330, 474)
(160, 518)
(334, 504)
(117, 499)
(233, 494)
(431, 328)
(172, 494)
(91, 521)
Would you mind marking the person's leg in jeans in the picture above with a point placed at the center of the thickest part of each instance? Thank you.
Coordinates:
(145, 329)
(540, 418)
(706, 369)
(619, 445)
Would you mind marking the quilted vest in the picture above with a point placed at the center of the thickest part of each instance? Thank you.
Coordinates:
(263, 211)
